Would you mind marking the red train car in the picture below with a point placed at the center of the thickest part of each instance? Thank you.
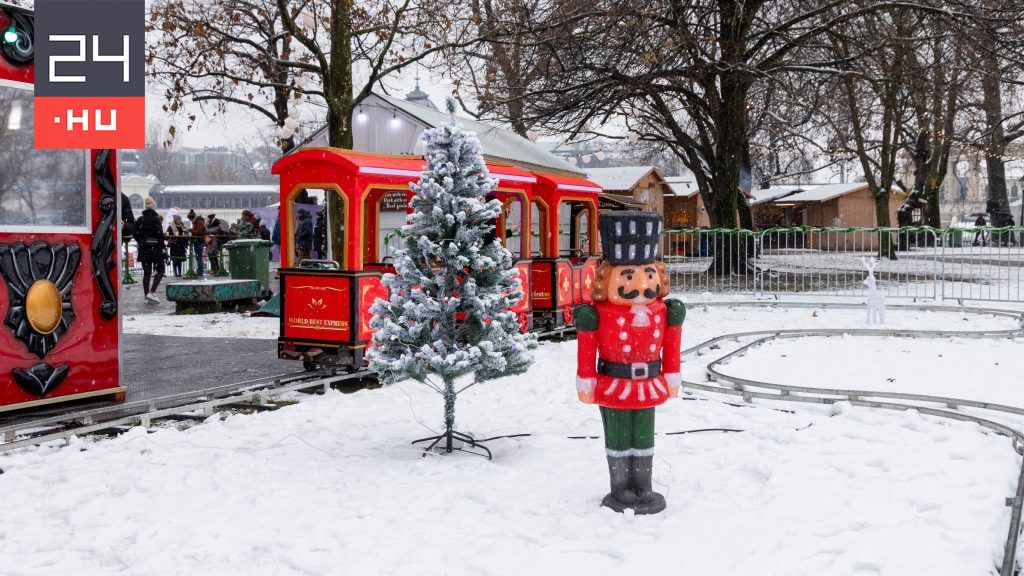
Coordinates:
(548, 222)
(58, 239)
(565, 269)
(325, 300)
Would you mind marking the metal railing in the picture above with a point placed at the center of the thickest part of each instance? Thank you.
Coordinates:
(919, 263)
(132, 269)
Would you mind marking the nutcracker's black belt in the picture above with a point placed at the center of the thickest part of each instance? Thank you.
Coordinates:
(636, 370)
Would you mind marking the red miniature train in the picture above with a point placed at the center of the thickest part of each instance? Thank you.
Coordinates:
(58, 249)
(548, 222)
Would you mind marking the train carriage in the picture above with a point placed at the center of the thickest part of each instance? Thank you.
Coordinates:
(58, 237)
(325, 302)
(566, 258)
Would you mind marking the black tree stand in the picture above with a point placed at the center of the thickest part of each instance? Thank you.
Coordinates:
(450, 435)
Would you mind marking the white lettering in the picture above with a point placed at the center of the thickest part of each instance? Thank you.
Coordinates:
(80, 57)
(111, 126)
(83, 120)
(122, 58)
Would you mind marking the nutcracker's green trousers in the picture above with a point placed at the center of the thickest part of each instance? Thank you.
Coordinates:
(628, 432)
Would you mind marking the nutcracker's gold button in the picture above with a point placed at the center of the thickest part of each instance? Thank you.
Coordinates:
(43, 306)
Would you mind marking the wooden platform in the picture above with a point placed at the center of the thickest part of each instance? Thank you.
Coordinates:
(214, 295)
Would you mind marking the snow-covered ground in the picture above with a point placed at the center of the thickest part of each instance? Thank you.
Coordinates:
(220, 325)
(331, 485)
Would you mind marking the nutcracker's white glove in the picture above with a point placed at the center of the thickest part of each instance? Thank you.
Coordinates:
(674, 381)
(585, 389)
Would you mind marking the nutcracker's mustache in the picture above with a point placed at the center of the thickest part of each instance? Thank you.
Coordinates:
(650, 293)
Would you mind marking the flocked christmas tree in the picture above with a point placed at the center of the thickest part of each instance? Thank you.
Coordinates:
(447, 322)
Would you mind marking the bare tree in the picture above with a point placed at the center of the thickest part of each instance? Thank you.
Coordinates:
(681, 74)
(264, 54)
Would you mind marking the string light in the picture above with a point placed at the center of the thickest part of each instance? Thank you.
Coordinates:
(11, 35)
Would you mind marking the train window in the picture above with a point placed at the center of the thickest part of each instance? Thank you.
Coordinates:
(538, 222)
(392, 217)
(314, 201)
(510, 226)
(574, 229)
(38, 188)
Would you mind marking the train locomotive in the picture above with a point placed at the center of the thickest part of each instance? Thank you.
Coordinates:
(59, 333)
(548, 222)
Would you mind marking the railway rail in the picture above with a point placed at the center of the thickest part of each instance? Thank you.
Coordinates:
(259, 394)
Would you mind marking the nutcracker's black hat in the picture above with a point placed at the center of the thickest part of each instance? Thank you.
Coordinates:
(629, 237)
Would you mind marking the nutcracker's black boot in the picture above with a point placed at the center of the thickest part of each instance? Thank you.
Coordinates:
(622, 495)
(648, 501)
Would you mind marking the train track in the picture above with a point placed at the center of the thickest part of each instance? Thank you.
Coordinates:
(259, 394)
(995, 417)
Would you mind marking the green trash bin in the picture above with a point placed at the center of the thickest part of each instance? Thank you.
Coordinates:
(250, 260)
(956, 238)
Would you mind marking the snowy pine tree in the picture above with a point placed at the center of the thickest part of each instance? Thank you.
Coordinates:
(447, 322)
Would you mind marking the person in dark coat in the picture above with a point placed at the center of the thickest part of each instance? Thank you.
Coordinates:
(275, 237)
(149, 234)
(215, 234)
(127, 219)
(177, 244)
(320, 236)
(980, 234)
(304, 235)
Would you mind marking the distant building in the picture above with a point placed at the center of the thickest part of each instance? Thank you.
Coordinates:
(644, 185)
(419, 97)
(838, 205)
(137, 188)
(207, 197)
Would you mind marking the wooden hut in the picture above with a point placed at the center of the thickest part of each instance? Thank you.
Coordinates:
(643, 184)
(684, 207)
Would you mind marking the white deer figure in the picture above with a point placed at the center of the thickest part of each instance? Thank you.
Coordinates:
(876, 301)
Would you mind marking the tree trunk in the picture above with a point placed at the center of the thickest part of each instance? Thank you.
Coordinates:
(449, 413)
(885, 247)
(338, 94)
(996, 170)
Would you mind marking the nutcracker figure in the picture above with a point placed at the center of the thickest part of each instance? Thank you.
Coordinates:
(628, 358)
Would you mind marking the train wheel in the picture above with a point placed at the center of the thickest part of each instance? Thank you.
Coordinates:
(524, 322)
(309, 365)
(567, 314)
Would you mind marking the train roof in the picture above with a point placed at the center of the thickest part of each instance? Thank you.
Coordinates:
(388, 164)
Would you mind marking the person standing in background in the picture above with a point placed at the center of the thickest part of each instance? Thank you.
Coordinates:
(304, 236)
(215, 232)
(177, 244)
(199, 243)
(320, 236)
(275, 237)
(149, 234)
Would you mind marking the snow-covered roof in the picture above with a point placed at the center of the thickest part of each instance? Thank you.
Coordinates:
(618, 177)
(823, 192)
(496, 142)
(774, 192)
(682, 186)
(219, 189)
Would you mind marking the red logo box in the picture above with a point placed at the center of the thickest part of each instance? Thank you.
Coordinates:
(90, 122)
